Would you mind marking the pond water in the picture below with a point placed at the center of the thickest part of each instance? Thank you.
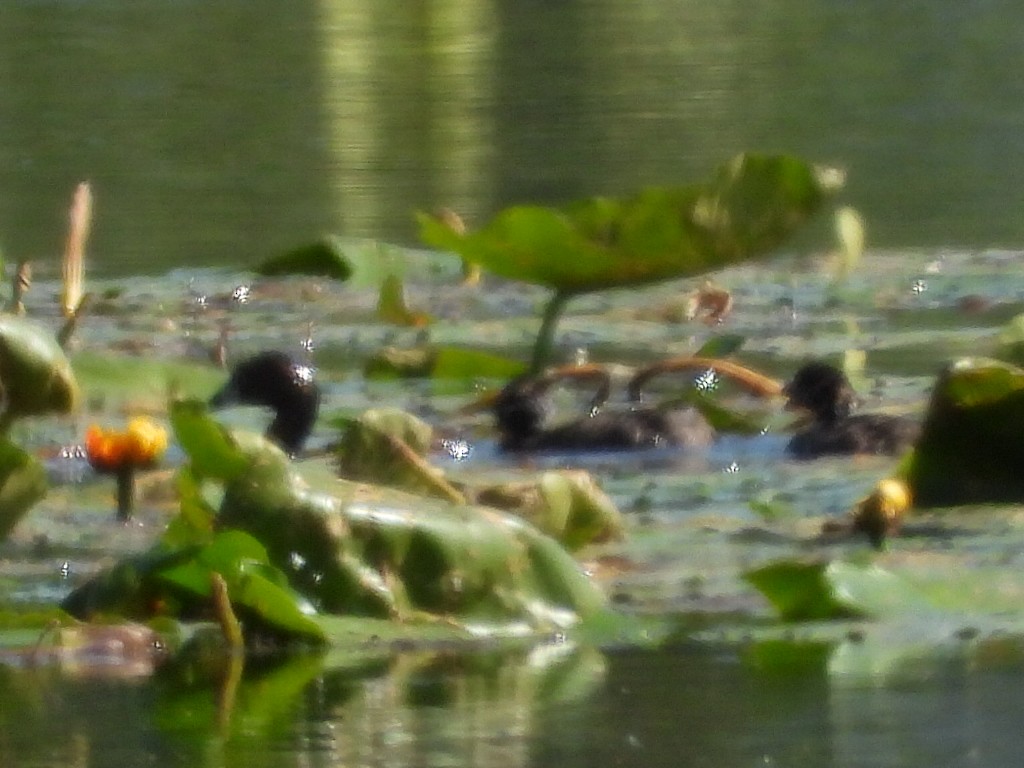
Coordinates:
(217, 133)
(672, 708)
(243, 128)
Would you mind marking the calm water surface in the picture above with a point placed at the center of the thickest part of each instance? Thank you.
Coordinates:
(219, 132)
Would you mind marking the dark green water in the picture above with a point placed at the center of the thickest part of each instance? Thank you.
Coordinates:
(216, 133)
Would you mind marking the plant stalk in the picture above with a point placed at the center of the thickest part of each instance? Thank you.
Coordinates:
(546, 336)
(125, 493)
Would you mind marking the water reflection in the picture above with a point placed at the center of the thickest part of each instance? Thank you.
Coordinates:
(679, 707)
(220, 132)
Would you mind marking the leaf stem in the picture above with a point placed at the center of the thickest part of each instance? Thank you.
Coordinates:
(125, 493)
(545, 337)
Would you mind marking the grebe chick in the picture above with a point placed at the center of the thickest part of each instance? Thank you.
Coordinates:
(522, 408)
(825, 392)
(276, 381)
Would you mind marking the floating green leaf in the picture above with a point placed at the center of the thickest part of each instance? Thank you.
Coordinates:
(256, 589)
(814, 590)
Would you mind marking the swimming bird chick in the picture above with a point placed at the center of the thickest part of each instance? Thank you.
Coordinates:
(824, 391)
(522, 408)
(276, 381)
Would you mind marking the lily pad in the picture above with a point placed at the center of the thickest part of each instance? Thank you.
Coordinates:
(253, 585)
(750, 207)
(814, 590)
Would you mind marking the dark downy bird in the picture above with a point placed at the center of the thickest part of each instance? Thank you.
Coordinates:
(276, 381)
(824, 391)
(522, 408)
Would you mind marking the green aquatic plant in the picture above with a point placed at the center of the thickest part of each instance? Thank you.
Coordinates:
(751, 206)
(390, 447)
(283, 548)
(971, 449)
(35, 379)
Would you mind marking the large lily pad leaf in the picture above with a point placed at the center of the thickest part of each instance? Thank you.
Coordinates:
(35, 375)
(752, 205)
(971, 448)
(484, 570)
